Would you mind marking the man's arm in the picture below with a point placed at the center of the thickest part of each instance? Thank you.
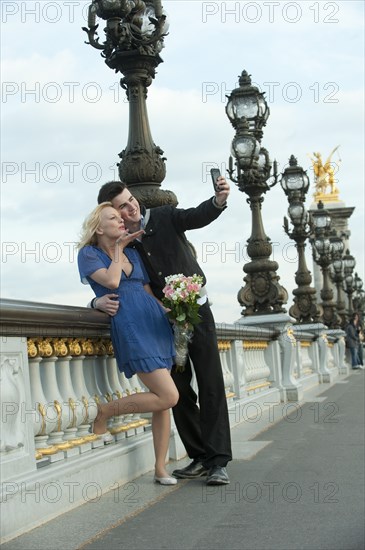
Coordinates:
(205, 213)
(107, 304)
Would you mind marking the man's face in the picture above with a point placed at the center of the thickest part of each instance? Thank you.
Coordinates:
(128, 207)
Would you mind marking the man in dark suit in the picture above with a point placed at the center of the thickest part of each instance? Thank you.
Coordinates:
(204, 430)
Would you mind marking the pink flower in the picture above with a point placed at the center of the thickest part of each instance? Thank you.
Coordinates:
(181, 297)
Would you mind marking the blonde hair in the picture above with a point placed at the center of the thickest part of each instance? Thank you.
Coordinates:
(90, 225)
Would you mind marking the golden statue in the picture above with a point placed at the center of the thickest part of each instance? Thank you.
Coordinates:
(324, 177)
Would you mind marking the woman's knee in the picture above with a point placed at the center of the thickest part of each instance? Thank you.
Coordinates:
(169, 397)
(162, 385)
(172, 398)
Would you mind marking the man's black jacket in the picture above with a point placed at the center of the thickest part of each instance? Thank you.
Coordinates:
(165, 249)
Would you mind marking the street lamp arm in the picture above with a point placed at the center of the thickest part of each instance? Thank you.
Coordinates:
(91, 33)
(230, 171)
(275, 175)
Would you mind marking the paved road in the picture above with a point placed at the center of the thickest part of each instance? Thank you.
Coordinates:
(299, 484)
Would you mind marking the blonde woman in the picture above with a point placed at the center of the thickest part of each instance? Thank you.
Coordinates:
(141, 334)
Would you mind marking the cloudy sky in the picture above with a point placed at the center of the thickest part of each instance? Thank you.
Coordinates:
(65, 119)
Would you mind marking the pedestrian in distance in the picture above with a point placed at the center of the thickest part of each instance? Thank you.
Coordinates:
(353, 341)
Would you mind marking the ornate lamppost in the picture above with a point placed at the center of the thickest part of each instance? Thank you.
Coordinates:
(323, 251)
(134, 38)
(337, 277)
(358, 299)
(248, 112)
(295, 184)
(349, 266)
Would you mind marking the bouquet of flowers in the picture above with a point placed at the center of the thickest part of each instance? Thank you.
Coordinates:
(181, 296)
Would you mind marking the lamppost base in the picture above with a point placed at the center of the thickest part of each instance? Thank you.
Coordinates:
(262, 293)
(305, 308)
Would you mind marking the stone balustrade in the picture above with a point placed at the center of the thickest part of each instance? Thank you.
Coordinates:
(57, 364)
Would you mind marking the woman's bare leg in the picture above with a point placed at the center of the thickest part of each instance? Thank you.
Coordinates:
(161, 427)
(162, 396)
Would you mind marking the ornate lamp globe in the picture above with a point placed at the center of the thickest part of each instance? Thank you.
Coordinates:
(323, 246)
(337, 247)
(321, 218)
(294, 180)
(247, 101)
(298, 214)
(337, 266)
(349, 262)
(245, 148)
(264, 163)
(358, 283)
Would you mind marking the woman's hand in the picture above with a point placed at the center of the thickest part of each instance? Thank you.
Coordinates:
(125, 239)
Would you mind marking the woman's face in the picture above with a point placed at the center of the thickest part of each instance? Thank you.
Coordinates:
(111, 224)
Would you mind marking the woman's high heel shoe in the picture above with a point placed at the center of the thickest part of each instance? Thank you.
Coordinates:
(107, 437)
(165, 480)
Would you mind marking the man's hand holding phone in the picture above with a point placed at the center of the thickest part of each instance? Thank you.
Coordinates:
(221, 187)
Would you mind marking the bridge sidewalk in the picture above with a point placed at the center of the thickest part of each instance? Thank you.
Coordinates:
(297, 482)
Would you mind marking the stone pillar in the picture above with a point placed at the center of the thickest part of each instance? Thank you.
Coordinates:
(17, 450)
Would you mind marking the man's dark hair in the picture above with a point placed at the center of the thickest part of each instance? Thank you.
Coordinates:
(110, 190)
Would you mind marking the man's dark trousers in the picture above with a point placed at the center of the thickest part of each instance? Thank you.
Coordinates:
(204, 430)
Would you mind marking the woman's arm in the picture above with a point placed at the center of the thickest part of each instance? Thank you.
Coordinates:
(110, 277)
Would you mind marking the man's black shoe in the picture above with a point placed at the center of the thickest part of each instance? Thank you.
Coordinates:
(195, 469)
(217, 475)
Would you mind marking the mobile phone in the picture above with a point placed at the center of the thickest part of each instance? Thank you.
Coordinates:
(215, 173)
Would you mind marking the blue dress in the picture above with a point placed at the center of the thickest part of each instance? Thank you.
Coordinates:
(141, 334)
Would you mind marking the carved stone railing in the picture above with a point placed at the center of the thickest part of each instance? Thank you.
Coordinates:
(71, 369)
(243, 359)
(57, 363)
